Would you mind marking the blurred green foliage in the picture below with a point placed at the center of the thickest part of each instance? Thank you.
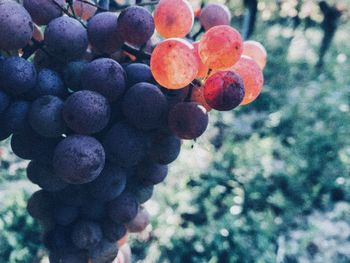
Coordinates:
(268, 182)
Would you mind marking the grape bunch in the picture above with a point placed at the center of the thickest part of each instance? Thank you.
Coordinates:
(99, 100)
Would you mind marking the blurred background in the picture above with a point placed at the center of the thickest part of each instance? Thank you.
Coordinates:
(268, 182)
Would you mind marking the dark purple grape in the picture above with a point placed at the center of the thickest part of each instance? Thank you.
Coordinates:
(125, 145)
(40, 205)
(103, 34)
(64, 215)
(79, 257)
(165, 148)
(113, 231)
(86, 112)
(93, 209)
(86, 234)
(43, 175)
(123, 209)
(31, 146)
(106, 77)
(17, 75)
(45, 116)
(15, 117)
(140, 222)
(188, 120)
(136, 25)
(143, 193)
(79, 159)
(145, 106)
(175, 96)
(43, 11)
(16, 26)
(110, 183)
(66, 38)
(5, 101)
(49, 82)
(4, 131)
(104, 252)
(59, 240)
(73, 195)
(72, 74)
(138, 72)
(151, 173)
(43, 60)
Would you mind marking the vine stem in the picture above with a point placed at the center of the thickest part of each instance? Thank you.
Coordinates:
(139, 54)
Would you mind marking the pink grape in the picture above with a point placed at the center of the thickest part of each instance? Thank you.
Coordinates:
(174, 64)
(256, 51)
(220, 47)
(173, 18)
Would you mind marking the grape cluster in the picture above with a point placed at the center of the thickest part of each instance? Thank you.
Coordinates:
(101, 107)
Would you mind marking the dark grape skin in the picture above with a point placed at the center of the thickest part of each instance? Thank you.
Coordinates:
(15, 117)
(79, 257)
(58, 240)
(113, 231)
(224, 90)
(151, 173)
(4, 132)
(43, 60)
(109, 184)
(93, 209)
(103, 33)
(72, 74)
(5, 101)
(31, 146)
(104, 252)
(66, 38)
(142, 192)
(42, 174)
(11, 81)
(43, 11)
(16, 26)
(188, 120)
(45, 116)
(136, 25)
(64, 215)
(138, 72)
(106, 77)
(86, 112)
(40, 205)
(125, 145)
(145, 106)
(165, 148)
(73, 195)
(123, 209)
(49, 82)
(86, 234)
(78, 159)
(175, 96)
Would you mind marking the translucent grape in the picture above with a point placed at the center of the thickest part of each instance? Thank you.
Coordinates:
(136, 25)
(252, 77)
(255, 51)
(202, 68)
(224, 90)
(84, 10)
(103, 33)
(220, 47)
(188, 120)
(174, 64)
(214, 15)
(173, 18)
(16, 26)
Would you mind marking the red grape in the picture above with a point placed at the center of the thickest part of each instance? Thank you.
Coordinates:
(174, 64)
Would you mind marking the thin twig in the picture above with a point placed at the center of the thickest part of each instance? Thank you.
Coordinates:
(139, 54)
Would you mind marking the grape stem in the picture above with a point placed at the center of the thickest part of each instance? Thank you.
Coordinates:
(196, 35)
(69, 14)
(139, 54)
